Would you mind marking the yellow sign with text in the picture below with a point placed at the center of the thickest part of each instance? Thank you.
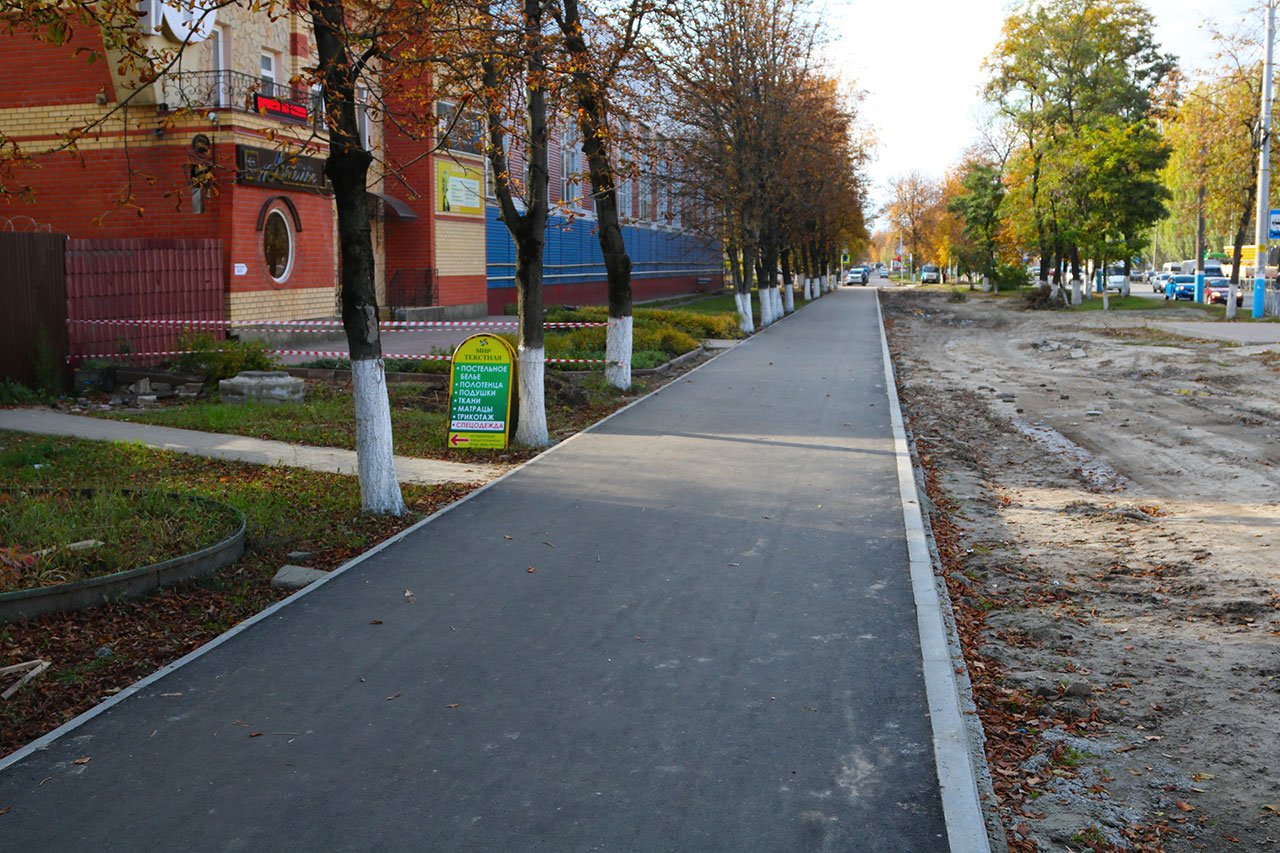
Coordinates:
(459, 188)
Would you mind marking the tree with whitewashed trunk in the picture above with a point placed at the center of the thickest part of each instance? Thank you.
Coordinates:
(347, 168)
(514, 86)
(599, 56)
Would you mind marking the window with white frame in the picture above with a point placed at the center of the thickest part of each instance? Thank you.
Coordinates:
(662, 214)
(571, 165)
(364, 129)
(646, 189)
(267, 71)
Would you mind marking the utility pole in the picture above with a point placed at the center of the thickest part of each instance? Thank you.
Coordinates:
(1264, 171)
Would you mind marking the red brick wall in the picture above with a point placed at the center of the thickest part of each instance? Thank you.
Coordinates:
(35, 73)
(313, 263)
(70, 194)
(462, 289)
(410, 244)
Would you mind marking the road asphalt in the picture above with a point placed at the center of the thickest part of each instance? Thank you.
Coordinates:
(237, 447)
(690, 628)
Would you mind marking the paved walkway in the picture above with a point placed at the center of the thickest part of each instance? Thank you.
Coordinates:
(1248, 334)
(236, 447)
(690, 628)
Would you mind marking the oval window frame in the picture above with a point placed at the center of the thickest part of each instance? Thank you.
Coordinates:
(291, 238)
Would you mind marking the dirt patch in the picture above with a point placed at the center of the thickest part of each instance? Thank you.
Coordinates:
(1105, 504)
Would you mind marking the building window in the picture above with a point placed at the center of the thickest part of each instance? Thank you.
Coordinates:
(646, 190)
(268, 72)
(362, 118)
(277, 246)
(571, 166)
(624, 193)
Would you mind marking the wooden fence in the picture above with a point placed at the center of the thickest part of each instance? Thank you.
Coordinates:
(33, 331)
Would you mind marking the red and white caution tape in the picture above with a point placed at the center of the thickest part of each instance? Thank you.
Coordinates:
(317, 354)
(325, 325)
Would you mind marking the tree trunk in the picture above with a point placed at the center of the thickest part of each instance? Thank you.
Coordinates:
(528, 230)
(593, 124)
(745, 313)
(1242, 224)
(347, 168)
(788, 290)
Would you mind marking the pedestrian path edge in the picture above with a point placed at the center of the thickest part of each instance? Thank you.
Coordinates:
(957, 776)
(79, 720)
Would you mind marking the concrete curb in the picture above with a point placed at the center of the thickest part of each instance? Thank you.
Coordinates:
(957, 776)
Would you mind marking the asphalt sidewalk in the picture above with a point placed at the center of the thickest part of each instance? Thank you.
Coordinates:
(237, 448)
(689, 628)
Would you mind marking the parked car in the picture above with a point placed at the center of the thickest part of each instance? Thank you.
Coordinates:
(884, 271)
(1181, 287)
(1159, 280)
(1217, 289)
(930, 274)
(857, 275)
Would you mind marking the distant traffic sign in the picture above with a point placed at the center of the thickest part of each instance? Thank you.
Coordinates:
(1273, 228)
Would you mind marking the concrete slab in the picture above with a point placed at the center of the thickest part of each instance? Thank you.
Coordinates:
(236, 447)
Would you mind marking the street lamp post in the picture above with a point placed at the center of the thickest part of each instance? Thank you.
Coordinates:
(1264, 171)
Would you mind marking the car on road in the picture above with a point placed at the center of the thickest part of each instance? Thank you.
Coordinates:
(1159, 280)
(1217, 289)
(930, 274)
(1181, 287)
(857, 275)
(884, 271)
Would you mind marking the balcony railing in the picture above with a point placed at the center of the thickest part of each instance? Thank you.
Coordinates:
(232, 90)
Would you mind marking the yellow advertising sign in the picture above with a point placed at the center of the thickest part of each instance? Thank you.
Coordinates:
(459, 188)
(481, 382)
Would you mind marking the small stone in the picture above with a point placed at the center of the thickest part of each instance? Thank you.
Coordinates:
(296, 577)
(300, 556)
(1093, 413)
(142, 386)
(1064, 396)
(1079, 353)
(1078, 689)
(103, 652)
(1007, 396)
(146, 400)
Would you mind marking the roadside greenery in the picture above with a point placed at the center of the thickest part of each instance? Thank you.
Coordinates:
(127, 528)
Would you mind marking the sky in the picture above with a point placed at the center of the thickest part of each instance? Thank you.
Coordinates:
(920, 64)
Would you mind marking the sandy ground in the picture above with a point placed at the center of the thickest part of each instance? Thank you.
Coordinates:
(1108, 499)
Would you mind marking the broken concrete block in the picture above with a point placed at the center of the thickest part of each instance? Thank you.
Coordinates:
(296, 577)
(262, 386)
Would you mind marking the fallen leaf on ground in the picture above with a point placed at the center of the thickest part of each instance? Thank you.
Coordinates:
(393, 696)
(454, 705)
(375, 621)
(531, 570)
(255, 734)
(409, 596)
(85, 760)
(6, 809)
(1184, 806)
(170, 695)
(505, 536)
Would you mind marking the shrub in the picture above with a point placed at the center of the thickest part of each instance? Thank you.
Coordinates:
(221, 359)
(1012, 277)
(15, 393)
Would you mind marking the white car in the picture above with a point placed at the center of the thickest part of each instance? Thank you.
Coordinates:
(930, 274)
(857, 275)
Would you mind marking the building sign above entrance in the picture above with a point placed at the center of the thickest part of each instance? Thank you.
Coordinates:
(267, 167)
(279, 108)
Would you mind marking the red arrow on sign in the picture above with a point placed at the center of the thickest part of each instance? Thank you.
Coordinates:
(457, 439)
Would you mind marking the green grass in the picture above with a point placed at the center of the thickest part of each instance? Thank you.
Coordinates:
(1127, 303)
(418, 417)
(134, 529)
(325, 419)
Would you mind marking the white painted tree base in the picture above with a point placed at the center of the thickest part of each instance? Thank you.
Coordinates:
(766, 308)
(807, 290)
(788, 299)
(375, 462)
(617, 353)
(746, 321)
(531, 431)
